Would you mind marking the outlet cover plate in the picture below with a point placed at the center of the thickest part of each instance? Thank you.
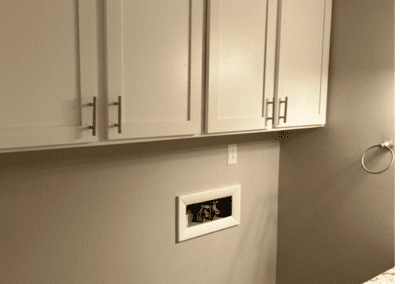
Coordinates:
(232, 154)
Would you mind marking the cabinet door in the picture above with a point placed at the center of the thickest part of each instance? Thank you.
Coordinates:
(47, 72)
(302, 61)
(241, 50)
(154, 58)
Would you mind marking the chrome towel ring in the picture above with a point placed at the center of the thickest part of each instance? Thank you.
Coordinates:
(388, 144)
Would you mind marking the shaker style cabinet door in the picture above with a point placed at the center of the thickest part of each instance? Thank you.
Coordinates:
(48, 75)
(154, 67)
(302, 62)
(241, 43)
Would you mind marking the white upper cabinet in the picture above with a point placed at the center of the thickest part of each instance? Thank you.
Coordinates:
(302, 62)
(48, 72)
(154, 64)
(257, 64)
(241, 48)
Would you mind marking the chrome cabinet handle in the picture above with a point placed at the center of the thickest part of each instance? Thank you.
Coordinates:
(273, 110)
(119, 124)
(94, 105)
(286, 103)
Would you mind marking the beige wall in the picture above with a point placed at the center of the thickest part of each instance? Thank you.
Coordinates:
(107, 214)
(336, 221)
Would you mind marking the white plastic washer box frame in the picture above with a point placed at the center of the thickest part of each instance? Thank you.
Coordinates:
(184, 232)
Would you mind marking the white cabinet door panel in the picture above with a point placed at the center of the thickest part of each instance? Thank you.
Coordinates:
(302, 61)
(48, 72)
(154, 58)
(238, 46)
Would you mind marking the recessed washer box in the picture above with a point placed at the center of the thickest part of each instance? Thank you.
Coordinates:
(205, 220)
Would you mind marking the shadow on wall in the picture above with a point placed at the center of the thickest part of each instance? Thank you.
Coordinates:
(265, 263)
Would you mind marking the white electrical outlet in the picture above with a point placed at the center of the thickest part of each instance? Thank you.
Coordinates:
(232, 154)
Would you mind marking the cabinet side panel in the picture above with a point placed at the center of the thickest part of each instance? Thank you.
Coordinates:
(325, 60)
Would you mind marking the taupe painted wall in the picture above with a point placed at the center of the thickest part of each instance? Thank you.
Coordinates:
(107, 214)
(336, 221)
